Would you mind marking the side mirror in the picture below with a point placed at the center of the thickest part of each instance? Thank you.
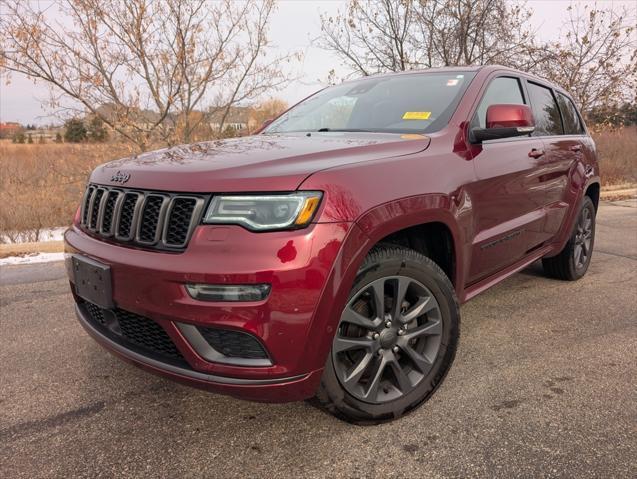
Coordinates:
(505, 121)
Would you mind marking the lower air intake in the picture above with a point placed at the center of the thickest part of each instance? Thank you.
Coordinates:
(234, 344)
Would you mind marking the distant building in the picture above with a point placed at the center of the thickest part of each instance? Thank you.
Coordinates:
(10, 129)
(141, 119)
(237, 118)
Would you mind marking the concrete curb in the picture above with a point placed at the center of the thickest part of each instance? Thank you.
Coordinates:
(615, 195)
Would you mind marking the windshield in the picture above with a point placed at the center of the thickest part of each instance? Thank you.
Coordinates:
(411, 103)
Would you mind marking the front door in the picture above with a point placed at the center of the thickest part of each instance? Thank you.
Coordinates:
(509, 197)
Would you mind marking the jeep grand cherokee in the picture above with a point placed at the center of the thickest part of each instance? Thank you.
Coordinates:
(326, 255)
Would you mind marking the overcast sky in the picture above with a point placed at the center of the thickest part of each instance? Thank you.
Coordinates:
(295, 25)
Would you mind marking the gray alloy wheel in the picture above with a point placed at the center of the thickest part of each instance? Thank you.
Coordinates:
(573, 261)
(388, 339)
(395, 339)
(583, 238)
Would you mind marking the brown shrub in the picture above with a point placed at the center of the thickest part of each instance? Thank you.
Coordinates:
(42, 185)
(617, 151)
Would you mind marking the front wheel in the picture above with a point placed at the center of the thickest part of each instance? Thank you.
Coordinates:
(572, 262)
(396, 339)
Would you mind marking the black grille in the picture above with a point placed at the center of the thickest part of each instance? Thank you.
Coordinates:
(87, 203)
(150, 218)
(126, 215)
(146, 334)
(234, 344)
(154, 220)
(135, 332)
(97, 201)
(109, 209)
(96, 313)
(179, 221)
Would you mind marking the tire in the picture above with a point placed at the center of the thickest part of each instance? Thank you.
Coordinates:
(573, 261)
(362, 382)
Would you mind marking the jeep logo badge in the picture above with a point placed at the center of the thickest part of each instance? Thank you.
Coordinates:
(120, 177)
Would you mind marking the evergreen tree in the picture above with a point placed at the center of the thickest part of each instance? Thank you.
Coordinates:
(96, 130)
(75, 131)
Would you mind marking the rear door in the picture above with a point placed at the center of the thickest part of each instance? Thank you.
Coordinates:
(508, 198)
(560, 131)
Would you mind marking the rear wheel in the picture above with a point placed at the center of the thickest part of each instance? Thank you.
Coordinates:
(396, 338)
(572, 262)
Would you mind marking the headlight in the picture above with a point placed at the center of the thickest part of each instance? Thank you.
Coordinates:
(265, 212)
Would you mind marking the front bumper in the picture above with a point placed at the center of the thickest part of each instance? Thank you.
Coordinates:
(296, 263)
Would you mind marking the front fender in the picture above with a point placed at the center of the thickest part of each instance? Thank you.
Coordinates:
(370, 228)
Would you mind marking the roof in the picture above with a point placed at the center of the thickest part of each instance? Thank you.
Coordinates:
(469, 68)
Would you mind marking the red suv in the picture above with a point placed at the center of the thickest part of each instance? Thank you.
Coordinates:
(326, 255)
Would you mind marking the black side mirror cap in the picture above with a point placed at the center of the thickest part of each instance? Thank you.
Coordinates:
(483, 134)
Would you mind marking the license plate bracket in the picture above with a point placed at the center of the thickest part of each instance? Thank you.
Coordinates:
(92, 281)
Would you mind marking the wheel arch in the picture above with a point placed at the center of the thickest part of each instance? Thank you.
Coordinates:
(408, 216)
(593, 192)
(426, 224)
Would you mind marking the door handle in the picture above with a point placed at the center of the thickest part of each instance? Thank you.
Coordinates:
(576, 148)
(535, 153)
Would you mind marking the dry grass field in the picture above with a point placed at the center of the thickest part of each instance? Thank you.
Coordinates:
(41, 185)
(618, 156)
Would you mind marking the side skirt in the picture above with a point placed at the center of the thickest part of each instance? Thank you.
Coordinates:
(501, 275)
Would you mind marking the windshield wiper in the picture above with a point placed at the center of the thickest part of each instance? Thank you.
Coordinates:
(355, 130)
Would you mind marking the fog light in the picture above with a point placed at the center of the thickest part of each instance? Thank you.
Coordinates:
(234, 292)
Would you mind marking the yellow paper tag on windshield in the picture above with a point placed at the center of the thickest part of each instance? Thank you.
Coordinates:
(416, 115)
(412, 136)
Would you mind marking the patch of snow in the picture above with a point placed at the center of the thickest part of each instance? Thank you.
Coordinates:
(32, 258)
(47, 234)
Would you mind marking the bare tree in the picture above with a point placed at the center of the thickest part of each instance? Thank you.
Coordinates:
(266, 110)
(474, 32)
(390, 35)
(373, 36)
(147, 69)
(596, 57)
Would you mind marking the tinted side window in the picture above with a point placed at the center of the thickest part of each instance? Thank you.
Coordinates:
(572, 124)
(545, 111)
(505, 90)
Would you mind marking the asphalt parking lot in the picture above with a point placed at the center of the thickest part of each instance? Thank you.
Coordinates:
(544, 385)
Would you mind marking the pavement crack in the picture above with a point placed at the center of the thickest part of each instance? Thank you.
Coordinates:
(633, 258)
(40, 425)
(612, 203)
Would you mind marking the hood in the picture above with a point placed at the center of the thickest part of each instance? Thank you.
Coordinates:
(254, 163)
